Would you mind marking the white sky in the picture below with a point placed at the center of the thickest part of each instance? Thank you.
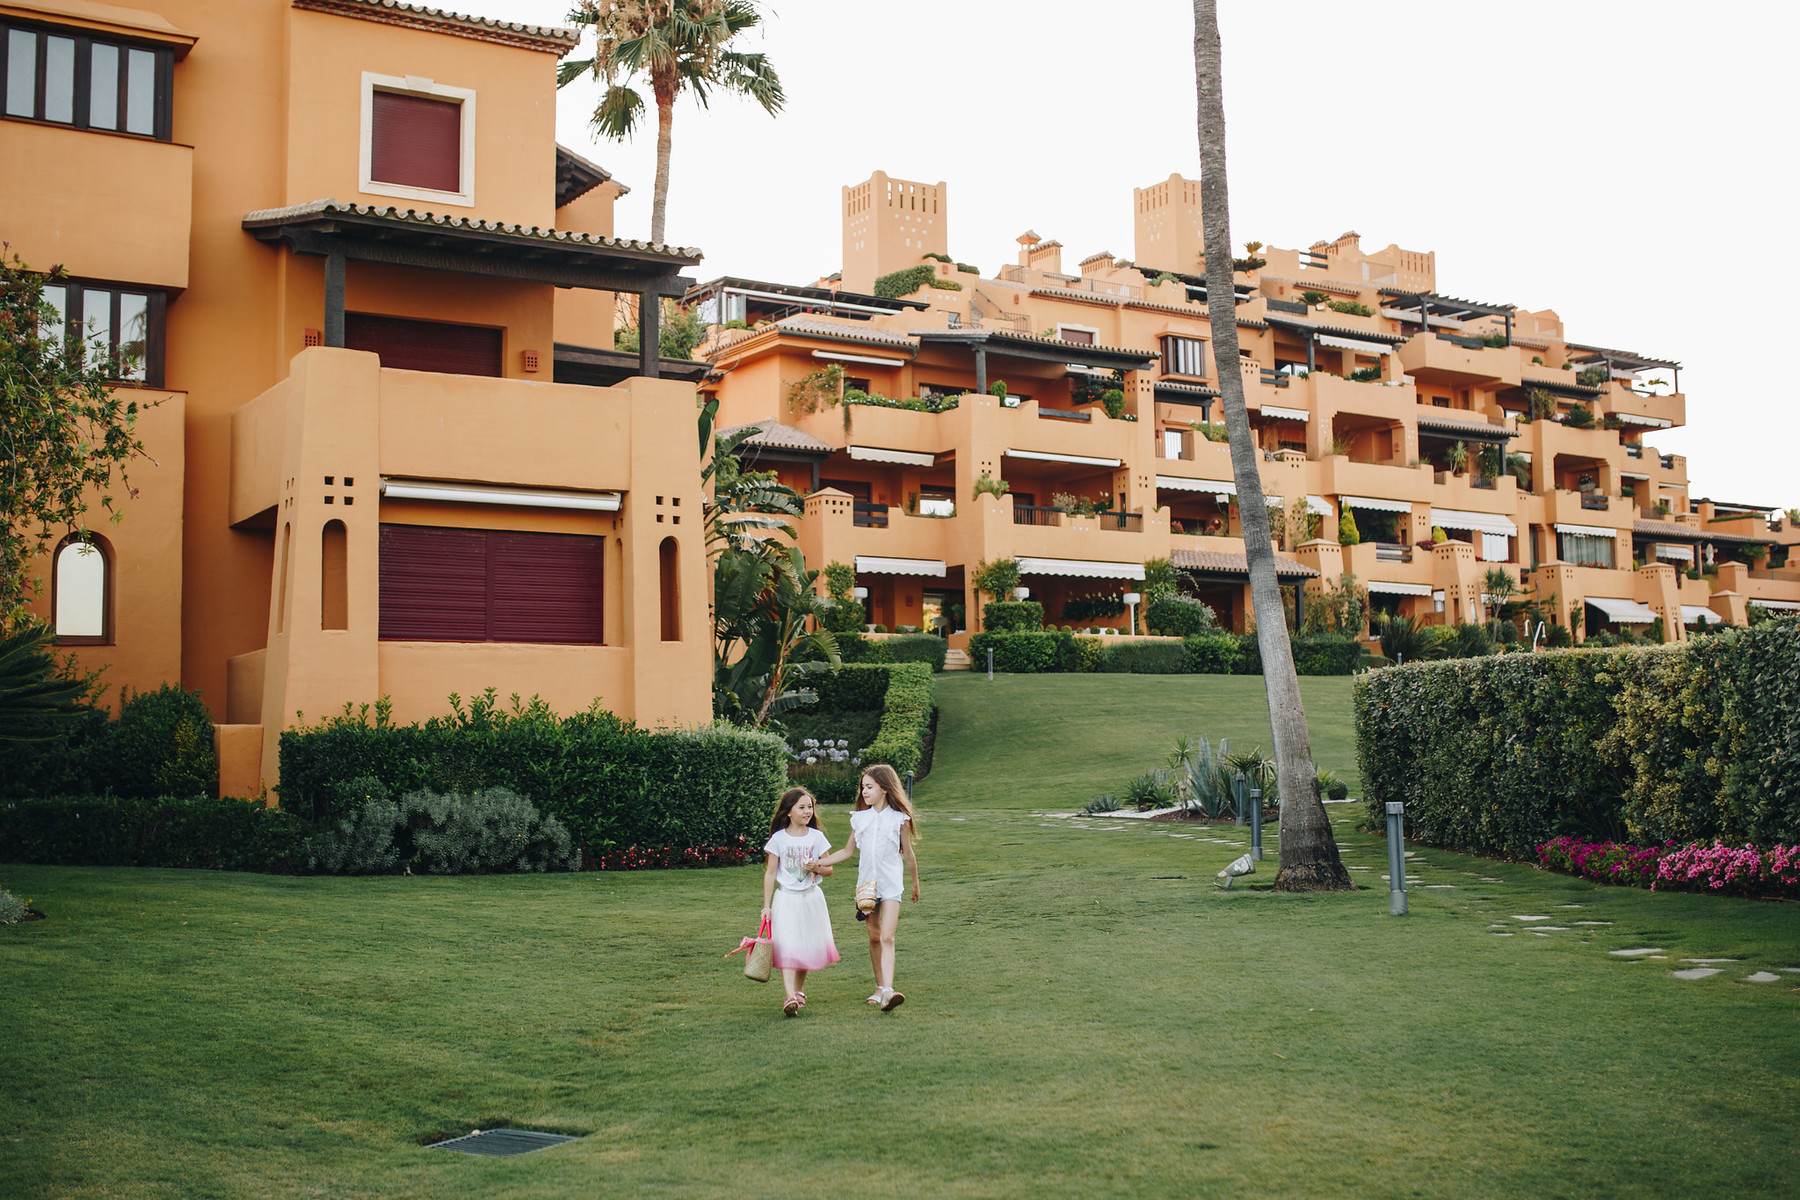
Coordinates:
(1552, 154)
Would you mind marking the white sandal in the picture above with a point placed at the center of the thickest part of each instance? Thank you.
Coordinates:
(877, 999)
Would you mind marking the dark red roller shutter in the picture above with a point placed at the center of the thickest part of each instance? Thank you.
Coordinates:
(478, 585)
(434, 584)
(408, 345)
(416, 141)
(545, 587)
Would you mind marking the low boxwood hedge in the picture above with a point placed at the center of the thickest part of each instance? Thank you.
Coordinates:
(114, 831)
(1221, 654)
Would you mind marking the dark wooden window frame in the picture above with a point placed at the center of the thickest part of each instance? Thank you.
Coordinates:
(162, 89)
(75, 299)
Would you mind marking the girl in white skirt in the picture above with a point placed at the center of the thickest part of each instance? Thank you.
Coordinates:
(800, 924)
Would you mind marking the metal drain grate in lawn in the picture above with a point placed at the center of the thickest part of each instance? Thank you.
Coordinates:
(495, 1142)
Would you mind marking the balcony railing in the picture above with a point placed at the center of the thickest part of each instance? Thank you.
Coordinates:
(1668, 462)
(1388, 552)
(1287, 306)
(1064, 414)
(1036, 514)
(870, 516)
(1129, 522)
(1596, 503)
(1483, 481)
(1634, 451)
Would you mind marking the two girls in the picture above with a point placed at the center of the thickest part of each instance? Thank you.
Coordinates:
(881, 830)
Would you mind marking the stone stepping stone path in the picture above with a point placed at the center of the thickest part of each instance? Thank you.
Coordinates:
(1639, 953)
(1707, 962)
(1696, 973)
(1761, 977)
(1593, 922)
(1517, 917)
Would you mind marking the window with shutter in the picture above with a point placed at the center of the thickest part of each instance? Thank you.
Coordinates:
(409, 345)
(416, 141)
(490, 585)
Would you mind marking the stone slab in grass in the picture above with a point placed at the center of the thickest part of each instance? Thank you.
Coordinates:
(1593, 922)
(1707, 962)
(1639, 953)
(1761, 977)
(1696, 973)
(1517, 917)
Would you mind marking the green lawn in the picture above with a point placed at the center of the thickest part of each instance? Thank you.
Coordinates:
(1087, 1016)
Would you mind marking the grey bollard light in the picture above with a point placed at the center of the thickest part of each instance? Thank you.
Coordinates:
(1237, 796)
(1396, 860)
(990, 664)
(1256, 824)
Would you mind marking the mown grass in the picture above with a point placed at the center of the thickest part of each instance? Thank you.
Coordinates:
(1086, 1016)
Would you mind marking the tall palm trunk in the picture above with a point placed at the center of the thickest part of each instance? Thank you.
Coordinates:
(665, 92)
(1309, 856)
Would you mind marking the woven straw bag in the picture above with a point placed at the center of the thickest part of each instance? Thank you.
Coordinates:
(865, 897)
(761, 959)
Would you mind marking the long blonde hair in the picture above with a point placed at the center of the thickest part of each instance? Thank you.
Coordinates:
(888, 780)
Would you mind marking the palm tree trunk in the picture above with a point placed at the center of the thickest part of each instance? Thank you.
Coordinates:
(1309, 856)
(659, 201)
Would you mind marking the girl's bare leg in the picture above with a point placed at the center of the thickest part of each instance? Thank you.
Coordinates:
(881, 941)
(792, 979)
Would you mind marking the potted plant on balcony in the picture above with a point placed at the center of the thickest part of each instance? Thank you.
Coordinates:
(1458, 458)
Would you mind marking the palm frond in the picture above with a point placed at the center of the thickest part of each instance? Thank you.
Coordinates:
(617, 115)
(568, 72)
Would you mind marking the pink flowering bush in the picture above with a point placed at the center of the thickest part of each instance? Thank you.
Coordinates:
(1736, 870)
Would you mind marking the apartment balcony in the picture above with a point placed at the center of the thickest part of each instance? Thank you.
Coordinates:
(1344, 476)
(1563, 507)
(106, 207)
(1639, 410)
(1031, 514)
(1436, 359)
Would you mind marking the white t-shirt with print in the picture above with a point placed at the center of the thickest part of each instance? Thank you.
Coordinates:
(791, 851)
(878, 844)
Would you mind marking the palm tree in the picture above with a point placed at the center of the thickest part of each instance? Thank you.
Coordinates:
(677, 45)
(1309, 856)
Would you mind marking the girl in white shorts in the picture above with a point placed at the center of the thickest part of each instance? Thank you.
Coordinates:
(882, 830)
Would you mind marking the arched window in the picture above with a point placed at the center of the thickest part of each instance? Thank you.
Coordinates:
(668, 560)
(81, 591)
(334, 588)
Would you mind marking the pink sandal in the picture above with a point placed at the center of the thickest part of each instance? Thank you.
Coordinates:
(792, 1006)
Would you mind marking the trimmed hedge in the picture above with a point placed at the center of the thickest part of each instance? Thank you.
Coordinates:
(1223, 654)
(161, 745)
(900, 694)
(905, 718)
(927, 648)
(610, 783)
(1500, 755)
(221, 835)
(1180, 616)
(1012, 616)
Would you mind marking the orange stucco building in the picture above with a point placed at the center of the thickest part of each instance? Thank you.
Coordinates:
(1419, 413)
(392, 451)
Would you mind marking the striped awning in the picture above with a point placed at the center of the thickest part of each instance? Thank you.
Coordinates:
(1374, 504)
(1625, 418)
(1628, 612)
(479, 493)
(870, 565)
(909, 458)
(1213, 487)
(1480, 522)
(1677, 553)
(1079, 459)
(1693, 614)
(1588, 530)
(1778, 605)
(1361, 347)
(1285, 414)
(1318, 506)
(1080, 568)
(1383, 587)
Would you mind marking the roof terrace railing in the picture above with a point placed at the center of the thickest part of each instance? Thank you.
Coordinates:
(1036, 514)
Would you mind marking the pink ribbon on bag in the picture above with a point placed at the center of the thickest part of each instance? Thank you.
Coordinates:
(762, 935)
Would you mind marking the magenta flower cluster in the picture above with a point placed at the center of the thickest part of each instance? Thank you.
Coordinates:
(1737, 870)
(651, 858)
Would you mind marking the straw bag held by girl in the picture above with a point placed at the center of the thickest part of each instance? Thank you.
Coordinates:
(761, 959)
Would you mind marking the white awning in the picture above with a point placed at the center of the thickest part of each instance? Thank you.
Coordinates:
(1629, 475)
(1361, 347)
(1634, 419)
(910, 458)
(1628, 612)
(1693, 614)
(1080, 568)
(1588, 530)
(860, 358)
(1375, 505)
(1286, 414)
(1318, 506)
(867, 565)
(475, 493)
(1398, 589)
(1215, 487)
(1480, 522)
(1681, 553)
(1046, 456)
(1778, 605)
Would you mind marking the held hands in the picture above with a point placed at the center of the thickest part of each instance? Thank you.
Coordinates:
(915, 895)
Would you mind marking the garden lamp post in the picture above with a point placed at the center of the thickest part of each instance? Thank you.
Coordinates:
(1131, 602)
(1256, 824)
(1021, 593)
(1396, 859)
(860, 595)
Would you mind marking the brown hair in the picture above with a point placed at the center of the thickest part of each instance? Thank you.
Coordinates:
(888, 780)
(785, 808)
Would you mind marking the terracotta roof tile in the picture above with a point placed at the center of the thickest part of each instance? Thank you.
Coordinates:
(776, 436)
(1235, 564)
